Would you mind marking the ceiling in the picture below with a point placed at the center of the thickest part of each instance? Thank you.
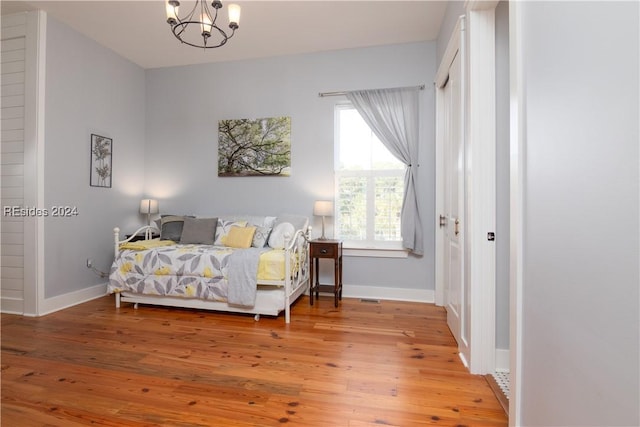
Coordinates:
(137, 30)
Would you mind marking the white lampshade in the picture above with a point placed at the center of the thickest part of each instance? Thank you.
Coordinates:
(172, 13)
(234, 13)
(205, 23)
(323, 208)
(148, 206)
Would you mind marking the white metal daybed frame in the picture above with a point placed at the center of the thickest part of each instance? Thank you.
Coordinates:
(272, 296)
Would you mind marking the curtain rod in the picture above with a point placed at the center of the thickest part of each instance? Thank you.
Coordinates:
(341, 93)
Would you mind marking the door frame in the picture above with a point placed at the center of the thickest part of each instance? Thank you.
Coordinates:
(476, 31)
(35, 74)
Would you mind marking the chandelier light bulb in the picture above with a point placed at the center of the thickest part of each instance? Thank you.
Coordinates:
(172, 12)
(205, 24)
(234, 15)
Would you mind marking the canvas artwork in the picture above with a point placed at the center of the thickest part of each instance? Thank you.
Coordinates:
(101, 168)
(254, 147)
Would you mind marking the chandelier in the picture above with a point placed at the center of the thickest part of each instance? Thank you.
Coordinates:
(198, 28)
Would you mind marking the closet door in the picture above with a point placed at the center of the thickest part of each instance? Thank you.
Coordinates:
(455, 296)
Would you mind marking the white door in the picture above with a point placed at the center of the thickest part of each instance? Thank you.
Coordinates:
(453, 216)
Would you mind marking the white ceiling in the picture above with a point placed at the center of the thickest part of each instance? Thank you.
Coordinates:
(137, 30)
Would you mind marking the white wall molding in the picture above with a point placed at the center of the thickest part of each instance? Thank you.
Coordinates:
(60, 302)
(388, 293)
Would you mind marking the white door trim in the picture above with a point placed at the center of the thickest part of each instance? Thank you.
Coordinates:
(34, 160)
(517, 146)
(480, 158)
(478, 29)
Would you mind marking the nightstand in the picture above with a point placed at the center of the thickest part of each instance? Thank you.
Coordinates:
(329, 249)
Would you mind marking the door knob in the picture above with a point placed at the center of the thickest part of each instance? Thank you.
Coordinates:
(456, 228)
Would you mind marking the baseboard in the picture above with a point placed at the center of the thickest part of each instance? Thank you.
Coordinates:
(50, 305)
(502, 360)
(70, 299)
(385, 293)
(11, 305)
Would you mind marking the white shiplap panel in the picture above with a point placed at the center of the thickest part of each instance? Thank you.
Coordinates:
(12, 56)
(13, 32)
(12, 78)
(12, 273)
(13, 289)
(13, 67)
(13, 192)
(12, 261)
(12, 239)
(12, 89)
(8, 218)
(11, 250)
(12, 158)
(12, 135)
(13, 101)
(12, 112)
(6, 201)
(13, 124)
(12, 181)
(12, 147)
(12, 44)
(14, 20)
(12, 227)
(11, 170)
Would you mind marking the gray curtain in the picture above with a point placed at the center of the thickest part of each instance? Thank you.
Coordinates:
(392, 114)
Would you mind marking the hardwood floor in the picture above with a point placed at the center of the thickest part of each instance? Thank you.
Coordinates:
(363, 364)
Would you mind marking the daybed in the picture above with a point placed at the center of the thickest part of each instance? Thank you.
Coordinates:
(245, 264)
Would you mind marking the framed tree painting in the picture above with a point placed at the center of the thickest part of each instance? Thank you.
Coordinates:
(254, 147)
(101, 168)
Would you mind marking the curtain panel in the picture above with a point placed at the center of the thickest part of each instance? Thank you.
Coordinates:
(392, 114)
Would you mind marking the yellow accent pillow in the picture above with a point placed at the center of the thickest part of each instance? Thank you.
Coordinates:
(239, 237)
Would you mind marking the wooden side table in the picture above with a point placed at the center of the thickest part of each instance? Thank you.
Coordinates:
(330, 249)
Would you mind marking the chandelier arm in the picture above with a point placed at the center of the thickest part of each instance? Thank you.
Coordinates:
(189, 16)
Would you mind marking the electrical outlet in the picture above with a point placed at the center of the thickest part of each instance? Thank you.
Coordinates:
(89, 263)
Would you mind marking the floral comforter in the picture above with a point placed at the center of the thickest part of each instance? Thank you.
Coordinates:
(191, 271)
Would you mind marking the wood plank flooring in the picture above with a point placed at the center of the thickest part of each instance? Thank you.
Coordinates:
(362, 364)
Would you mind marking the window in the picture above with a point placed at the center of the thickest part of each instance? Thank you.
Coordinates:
(369, 185)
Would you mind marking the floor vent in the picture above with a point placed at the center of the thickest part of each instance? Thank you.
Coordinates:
(370, 300)
(502, 378)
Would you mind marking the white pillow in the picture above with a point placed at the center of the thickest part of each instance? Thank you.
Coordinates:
(276, 239)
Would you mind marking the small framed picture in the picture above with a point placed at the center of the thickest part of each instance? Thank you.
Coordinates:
(101, 168)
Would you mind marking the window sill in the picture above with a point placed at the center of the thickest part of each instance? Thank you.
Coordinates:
(362, 250)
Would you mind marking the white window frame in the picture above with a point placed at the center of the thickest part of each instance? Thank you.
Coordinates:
(366, 248)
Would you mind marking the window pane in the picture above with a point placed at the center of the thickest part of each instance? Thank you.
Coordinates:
(360, 148)
(389, 193)
(352, 208)
(369, 183)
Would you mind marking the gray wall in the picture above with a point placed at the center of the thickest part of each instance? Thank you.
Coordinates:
(184, 105)
(580, 299)
(451, 15)
(89, 89)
